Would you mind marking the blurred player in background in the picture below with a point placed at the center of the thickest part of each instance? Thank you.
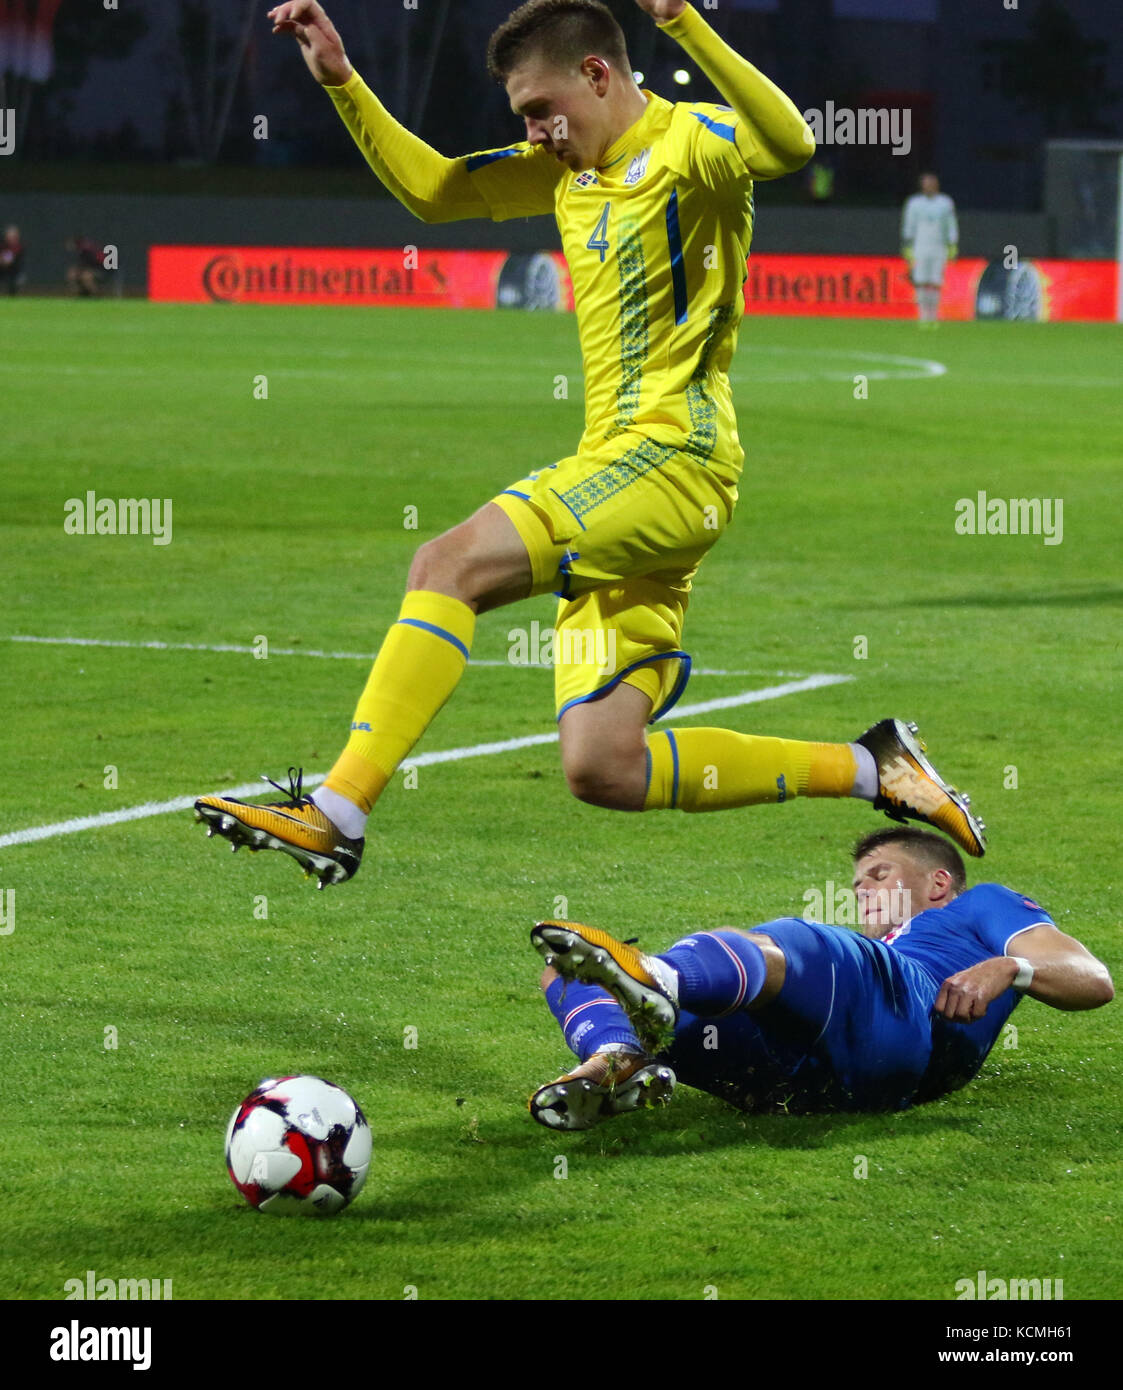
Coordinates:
(929, 239)
(86, 274)
(11, 259)
(654, 202)
(800, 1017)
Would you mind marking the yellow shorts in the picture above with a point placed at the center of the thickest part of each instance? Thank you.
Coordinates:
(618, 534)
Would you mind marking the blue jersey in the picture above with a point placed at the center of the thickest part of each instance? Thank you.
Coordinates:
(977, 925)
(853, 1028)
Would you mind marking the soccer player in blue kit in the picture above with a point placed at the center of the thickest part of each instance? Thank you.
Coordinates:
(801, 1017)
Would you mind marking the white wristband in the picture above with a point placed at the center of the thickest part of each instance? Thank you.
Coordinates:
(1024, 978)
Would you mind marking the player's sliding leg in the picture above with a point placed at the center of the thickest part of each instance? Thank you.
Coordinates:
(782, 992)
(638, 982)
(710, 974)
(480, 564)
(614, 1075)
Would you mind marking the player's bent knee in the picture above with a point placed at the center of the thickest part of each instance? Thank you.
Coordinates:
(443, 567)
(474, 562)
(595, 789)
(603, 750)
(610, 783)
(433, 563)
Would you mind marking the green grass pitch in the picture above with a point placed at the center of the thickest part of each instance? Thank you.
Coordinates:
(289, 523)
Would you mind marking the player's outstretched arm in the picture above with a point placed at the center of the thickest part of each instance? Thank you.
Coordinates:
(434, 188)
(1065, 976)
(774, 139)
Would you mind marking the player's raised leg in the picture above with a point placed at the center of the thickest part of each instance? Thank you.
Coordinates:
(611, 760)
(478, 565)
(712, 769)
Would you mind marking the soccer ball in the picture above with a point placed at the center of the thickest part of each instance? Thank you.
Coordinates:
(298, 1146)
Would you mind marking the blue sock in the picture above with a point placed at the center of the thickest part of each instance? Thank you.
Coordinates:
(589, 1018)
(721, 972)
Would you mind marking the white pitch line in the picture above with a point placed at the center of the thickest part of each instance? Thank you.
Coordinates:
(901, 368)
(242, 650)
(154, 646)
(445, 755)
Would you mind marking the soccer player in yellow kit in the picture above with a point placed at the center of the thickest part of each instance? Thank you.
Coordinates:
(654, 202)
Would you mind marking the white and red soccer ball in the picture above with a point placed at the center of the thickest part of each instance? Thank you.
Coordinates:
(298, 1146)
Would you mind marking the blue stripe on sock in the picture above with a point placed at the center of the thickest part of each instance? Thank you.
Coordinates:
(589, 1018)
(437, 632)
(674, 767)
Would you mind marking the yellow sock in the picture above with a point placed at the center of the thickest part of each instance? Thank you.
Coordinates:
(418, 667)
(715, 769)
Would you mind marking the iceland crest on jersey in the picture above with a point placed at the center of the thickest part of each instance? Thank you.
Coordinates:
(586, 179)
(637, 168)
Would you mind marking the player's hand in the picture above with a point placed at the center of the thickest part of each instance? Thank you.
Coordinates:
(320, 44)
(964, 997)
(662, 10)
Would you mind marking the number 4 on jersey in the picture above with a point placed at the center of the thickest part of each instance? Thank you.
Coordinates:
(599, 240)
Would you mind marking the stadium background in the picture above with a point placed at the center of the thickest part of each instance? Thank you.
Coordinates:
(132, 103)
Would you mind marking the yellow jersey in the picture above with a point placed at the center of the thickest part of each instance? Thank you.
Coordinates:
(656, 239)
